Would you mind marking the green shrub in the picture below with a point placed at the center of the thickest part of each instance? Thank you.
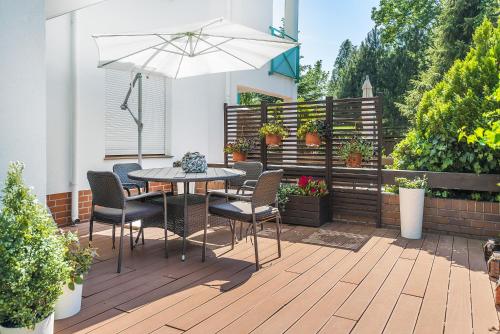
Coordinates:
(467, 99)
(32, 266)
(78, 258)
(356, 145)
(312, 126)
(241, 144)
(274, 129)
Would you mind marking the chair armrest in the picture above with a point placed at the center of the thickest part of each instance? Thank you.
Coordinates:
(146, 195)
(250, 183)
(228, 195)
(128, 186)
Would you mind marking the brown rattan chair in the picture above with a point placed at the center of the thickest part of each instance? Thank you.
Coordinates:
(252, 169)
(254, 209)
(111, 206)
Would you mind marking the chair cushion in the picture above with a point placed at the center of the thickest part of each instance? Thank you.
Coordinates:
(242, 211)
(135, 210)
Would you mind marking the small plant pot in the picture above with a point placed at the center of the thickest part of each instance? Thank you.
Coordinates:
(411, 207)
(46, 326)
(239, 156)
(492, 245)
(354, 160)
(273, 140)
(313, 140)
(69, 303)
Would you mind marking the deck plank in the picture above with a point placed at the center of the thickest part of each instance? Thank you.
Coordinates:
(404, 316)
(338, 325)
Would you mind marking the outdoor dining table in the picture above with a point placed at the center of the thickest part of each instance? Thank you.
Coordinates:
(177, 175)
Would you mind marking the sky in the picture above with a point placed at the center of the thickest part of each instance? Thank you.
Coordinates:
(325, 24)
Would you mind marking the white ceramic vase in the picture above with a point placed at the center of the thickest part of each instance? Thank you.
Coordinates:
(46, 326)
(411, 208)
(69, 303)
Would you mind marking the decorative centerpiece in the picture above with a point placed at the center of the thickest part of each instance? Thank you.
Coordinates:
(79, 259)
(411, 205)
(240, 148)
(32, 260)
(274, 133)
(355, 151)
(313, 131)
(194, 162)
(305, 203)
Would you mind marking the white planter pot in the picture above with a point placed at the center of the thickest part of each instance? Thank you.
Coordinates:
(69, 303)
(411, 208)
(45, 326)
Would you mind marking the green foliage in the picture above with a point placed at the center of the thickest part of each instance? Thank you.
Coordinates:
(284, 192)
(32, 265)
(312, 85)
(356, 145)
(306, 186)
(312, 126)
(467, 98)
(483, 137)
(274, 129)
(252, 98)
(78, 258)
(415, 183)
(450, 39)
(241, 144)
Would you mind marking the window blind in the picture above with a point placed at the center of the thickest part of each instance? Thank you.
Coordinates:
(120, 127)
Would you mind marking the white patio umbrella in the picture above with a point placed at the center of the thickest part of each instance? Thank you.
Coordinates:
(195, 49)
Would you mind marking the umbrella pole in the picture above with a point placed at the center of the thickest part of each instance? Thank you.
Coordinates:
(139, 124)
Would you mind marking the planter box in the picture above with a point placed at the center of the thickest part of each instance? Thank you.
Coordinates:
(307, 211)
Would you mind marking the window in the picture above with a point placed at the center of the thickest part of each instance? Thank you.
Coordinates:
(120, 127)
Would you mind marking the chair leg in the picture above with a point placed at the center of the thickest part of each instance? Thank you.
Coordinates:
(278, 234)
(165, 225)
(232, 227)
(113, 235)
(254, 227)
(234, 233)
(120, 253)
(138, 236)
(91, 228)
(241, 230)
(131, 237)
(204, 247)
(142, 233)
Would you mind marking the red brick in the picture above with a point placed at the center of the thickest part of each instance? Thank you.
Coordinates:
(63, 201)
(58, 196)
(471, 206)
(471, 215)
(495, 208)
(487, 207)
(56, 209)
(492, 217)
(479, 207)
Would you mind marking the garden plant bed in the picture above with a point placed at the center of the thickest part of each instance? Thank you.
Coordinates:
(306, 210)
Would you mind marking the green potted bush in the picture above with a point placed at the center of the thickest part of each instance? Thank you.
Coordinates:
(239, 148)
(411, 205)
(274, 133)
(355, 151)
(32, 265)
(304, 203)
(313, 131)
(79, 260)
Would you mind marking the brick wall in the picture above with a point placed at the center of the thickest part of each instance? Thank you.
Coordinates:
(455, 216)
(60, 204)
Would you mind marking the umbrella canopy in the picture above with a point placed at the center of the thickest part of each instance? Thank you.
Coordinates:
(195, 49)
(367, 88)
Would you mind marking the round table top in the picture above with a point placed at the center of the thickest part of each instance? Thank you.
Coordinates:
(176, 174)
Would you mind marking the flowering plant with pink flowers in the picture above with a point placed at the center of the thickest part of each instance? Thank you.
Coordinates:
(309, 186)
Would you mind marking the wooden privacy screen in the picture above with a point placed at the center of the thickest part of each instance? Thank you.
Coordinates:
(356, 192)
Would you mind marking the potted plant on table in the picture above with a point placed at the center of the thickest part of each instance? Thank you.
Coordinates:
(274, 133)
(32, 265)
(313, 131)
(355, 151)
(79, 260)
(304, 203)
(239, 148)
(411, 205)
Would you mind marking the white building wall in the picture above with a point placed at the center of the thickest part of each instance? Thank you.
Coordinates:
(194, 105)
(22, 90)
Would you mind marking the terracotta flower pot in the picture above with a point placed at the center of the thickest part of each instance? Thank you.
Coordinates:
(354, 160)
(312, 139)
(273, 140)
(239, 156)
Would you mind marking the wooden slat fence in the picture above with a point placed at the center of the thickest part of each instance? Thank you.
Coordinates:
(356, 192)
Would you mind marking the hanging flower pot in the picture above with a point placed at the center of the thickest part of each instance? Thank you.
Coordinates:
(313, 139)
(312, 131)
(274, 133)
(273, 140)
(239, 156)
(354, 160)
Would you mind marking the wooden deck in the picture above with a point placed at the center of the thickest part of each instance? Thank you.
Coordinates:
(389, 285)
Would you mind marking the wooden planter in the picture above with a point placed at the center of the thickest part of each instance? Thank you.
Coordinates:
(239, 156)
(307, 211)
(313, 140)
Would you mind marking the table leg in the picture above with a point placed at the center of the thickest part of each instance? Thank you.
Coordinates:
(186, 223)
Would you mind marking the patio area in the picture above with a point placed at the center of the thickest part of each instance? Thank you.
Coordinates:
(373, 281)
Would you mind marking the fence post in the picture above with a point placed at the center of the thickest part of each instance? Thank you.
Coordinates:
(263, 146)
(329, 145)
(225, 133)
(378, 110)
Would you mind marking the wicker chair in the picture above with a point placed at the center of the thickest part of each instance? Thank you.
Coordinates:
(260, 207)
(109, 205)
(253, 170)
(122, 171)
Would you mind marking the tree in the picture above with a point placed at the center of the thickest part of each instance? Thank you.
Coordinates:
(465, 100)
(451, 38)
(312, 84)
